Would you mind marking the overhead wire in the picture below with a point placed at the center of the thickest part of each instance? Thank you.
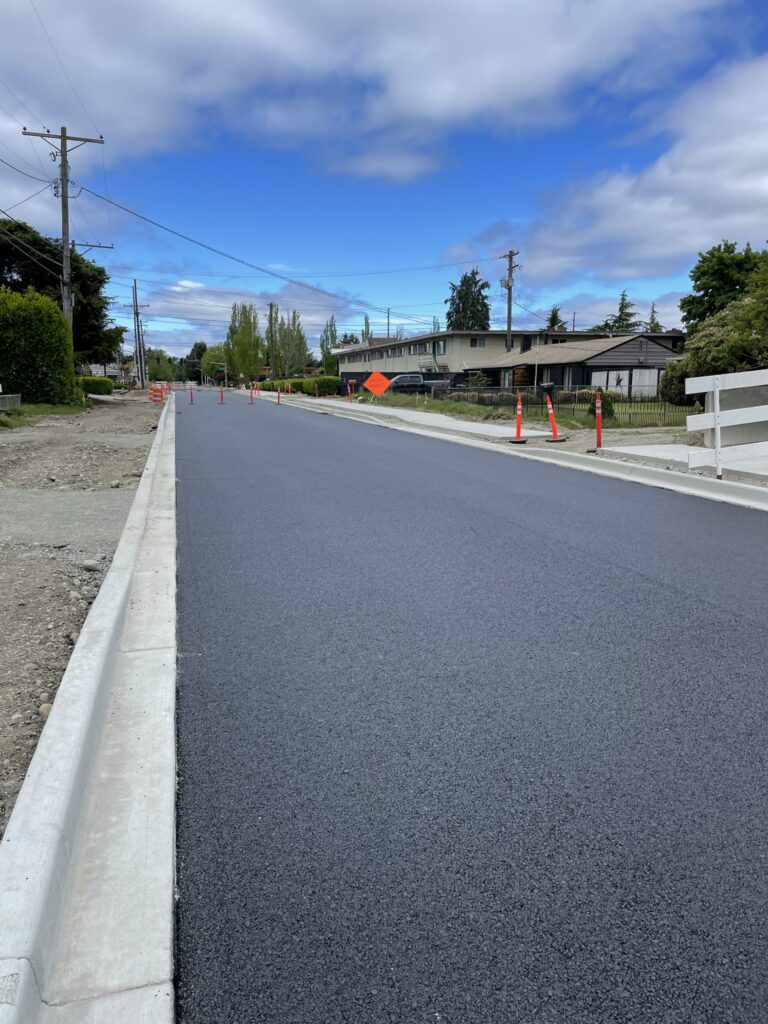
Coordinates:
(61, 65)
(18, 244)
(25, 173)
(34, 194)
(247, 263)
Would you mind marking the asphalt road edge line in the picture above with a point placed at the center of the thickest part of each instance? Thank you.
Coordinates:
(43, 855)
(728, 491)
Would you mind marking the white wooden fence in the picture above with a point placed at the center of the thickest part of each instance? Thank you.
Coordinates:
(717, 419)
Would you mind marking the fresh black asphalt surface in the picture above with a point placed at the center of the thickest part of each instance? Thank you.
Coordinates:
(462, 737)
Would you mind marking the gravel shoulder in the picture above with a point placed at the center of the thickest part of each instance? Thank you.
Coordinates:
(66, 486)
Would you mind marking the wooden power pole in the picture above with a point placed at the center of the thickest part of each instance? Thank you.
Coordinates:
(508, 283)
(63, 150)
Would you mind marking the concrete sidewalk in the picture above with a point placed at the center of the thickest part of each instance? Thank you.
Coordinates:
(748, 459)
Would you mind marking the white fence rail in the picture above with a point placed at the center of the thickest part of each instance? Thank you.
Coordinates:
(718, 418)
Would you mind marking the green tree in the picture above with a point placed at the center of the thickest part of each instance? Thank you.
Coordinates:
(367, 333)
(271, 339)
(349, 339)
(193, 361)
(36, 358)
(110, 346)
(213, 362)
(720, 276)
(244, 346)
(30, 260)
(623, 321)
(468, 306)
(328, 342)
(291, 348)
(159, 365)
(654, 326)
(555, 321)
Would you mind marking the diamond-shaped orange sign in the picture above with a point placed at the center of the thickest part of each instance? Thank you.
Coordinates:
(377, 383)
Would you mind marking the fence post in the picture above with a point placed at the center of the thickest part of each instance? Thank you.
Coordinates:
(716, 410)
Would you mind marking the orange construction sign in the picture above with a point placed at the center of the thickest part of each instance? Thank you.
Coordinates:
(377, 383)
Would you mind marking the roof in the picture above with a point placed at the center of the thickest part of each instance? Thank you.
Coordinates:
(565, 353)
(378, 342)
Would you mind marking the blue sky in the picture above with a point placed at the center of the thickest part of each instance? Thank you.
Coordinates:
(356, 146)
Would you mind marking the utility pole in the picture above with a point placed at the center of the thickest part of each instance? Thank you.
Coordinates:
(508, 283)
(63, 151)
(574, 322)
(140, 358)
(387, 321)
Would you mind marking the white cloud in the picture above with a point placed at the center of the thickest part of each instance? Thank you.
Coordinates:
(342, 73)
(711, 183)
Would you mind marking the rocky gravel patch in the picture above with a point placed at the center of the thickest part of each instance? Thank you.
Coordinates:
(46, 589)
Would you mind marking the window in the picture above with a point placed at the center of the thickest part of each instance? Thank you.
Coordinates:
(525, 345)
(477, 342)
(439, 348)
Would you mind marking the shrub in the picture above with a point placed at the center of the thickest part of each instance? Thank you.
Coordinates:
(305, 386)
(36, 356)
(672, 385)
(607, 403)
(95, 385)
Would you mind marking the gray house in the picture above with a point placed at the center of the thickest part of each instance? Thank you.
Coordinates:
(631, 364)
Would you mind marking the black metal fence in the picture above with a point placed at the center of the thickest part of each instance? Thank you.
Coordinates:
(619, 408)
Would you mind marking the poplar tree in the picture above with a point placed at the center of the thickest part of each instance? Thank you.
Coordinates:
(328, 342)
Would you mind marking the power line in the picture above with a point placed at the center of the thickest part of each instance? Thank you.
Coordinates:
(25, 173)
(246, 263)
(21, 103)
(61, 65)
(17, 243)
(34, 194)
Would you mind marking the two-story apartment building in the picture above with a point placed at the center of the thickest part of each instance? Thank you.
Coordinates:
(448, 354)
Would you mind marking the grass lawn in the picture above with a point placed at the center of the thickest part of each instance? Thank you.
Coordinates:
(27, 412)
(636, 414)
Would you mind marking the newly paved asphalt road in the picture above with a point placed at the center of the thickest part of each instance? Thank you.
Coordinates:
(462, 738)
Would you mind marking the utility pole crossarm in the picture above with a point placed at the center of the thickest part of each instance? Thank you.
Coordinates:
(57, 135)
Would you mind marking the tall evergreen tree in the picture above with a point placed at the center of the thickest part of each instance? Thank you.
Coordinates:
(292, 351)
(555, 321)
(654, 326)
(623, 321)
(468, 306)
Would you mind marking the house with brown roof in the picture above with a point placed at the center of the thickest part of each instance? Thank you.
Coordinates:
(631, 364)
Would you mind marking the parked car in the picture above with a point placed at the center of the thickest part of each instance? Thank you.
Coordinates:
(415, 383)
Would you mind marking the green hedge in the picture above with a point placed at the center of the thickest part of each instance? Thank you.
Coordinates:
(95, 385)
(305, 385)
(36, 358)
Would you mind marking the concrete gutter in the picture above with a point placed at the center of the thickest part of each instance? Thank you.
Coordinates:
(729, 491)
(87, 863)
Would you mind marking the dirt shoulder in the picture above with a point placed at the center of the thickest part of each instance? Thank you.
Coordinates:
(66, 485)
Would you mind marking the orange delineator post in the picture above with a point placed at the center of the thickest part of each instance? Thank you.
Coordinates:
(278, 396)
(221, 396)
(349, 392)
(518, 438)
(599, 419)
(250, 397)
(191, 396)
(555, 439)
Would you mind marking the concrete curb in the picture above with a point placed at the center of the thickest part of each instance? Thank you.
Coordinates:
(729, 491)
(87, 863)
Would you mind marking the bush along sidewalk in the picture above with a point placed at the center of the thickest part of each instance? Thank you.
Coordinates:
(95, 385)
(305, 385)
